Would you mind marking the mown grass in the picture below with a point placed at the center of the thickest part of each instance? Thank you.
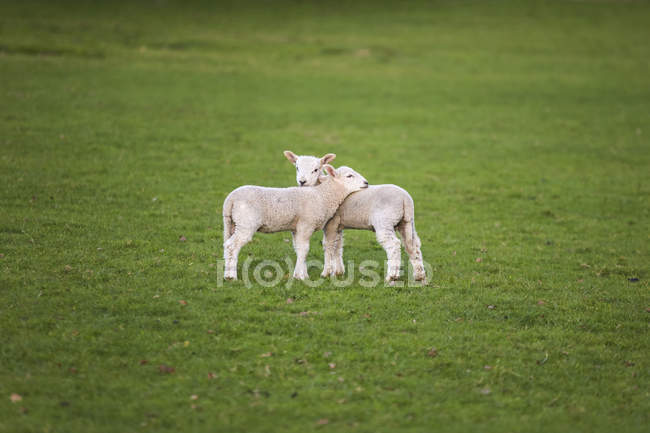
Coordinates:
(520, 129)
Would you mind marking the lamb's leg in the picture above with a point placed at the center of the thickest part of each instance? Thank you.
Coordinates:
(387, 238)
(339, 266)
(412, 244)
(231, 249)
(327, 264)
(293, 240)
(301, 242)
(329, 238)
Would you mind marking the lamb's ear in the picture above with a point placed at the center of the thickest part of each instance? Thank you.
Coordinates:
(292, 157)
(327, 158)
(330, 170)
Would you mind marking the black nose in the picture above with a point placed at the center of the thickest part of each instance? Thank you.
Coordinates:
(302, 182)
(366, 183)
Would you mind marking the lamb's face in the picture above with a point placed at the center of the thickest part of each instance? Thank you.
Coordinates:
(308, 168)
(352, 180)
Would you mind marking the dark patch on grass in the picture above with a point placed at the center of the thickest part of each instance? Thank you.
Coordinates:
(11, 230)
(33, 50)
(331, 51)
(192, 44)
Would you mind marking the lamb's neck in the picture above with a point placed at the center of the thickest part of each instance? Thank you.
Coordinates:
(333, 192)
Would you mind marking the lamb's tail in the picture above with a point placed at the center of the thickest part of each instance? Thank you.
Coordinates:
(228, 226)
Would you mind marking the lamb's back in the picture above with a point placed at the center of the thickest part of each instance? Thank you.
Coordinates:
(363, 209)
(271, 209)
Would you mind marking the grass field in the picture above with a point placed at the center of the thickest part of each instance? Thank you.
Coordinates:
(521, 129)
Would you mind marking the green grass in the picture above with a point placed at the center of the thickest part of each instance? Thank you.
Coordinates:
(520, 129)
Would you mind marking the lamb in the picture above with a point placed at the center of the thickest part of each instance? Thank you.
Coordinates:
(380, 208)
(249, 209)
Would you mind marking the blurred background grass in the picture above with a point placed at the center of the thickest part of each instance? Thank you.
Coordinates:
(520, 129)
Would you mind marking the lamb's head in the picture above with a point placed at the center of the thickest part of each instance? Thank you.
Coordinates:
(308, 168)
(350, 179)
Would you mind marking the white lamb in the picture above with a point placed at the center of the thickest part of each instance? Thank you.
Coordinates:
(249, 209)
(380, 208)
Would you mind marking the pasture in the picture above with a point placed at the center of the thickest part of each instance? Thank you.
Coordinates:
(520, 128)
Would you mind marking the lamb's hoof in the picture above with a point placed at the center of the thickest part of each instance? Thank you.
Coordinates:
(230, 273)
(420, 278)
(300, 277)
(390, 279)
(339, 272)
